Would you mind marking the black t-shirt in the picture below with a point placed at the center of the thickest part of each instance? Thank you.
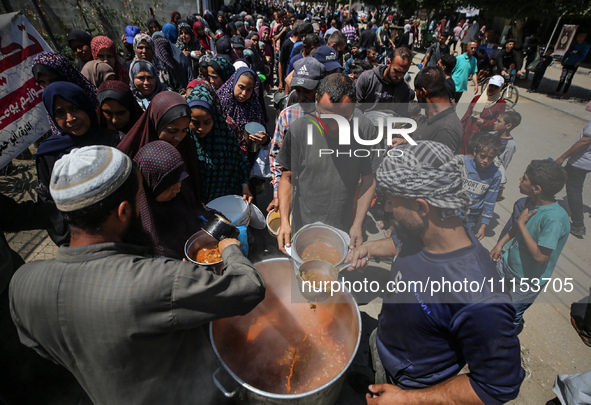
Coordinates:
(444, 127)
(284, 53)
(325, 184)
(450, 89)
(506, 58)
(367, 38)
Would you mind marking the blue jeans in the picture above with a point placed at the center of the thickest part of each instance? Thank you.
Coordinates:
(521, 300)
(575, 178)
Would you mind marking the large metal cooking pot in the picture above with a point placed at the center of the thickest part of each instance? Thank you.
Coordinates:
(261, 348)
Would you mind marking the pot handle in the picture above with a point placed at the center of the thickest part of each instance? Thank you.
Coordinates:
(218, 384)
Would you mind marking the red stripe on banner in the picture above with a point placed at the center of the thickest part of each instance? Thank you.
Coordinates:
(19, 102)
(20, 55)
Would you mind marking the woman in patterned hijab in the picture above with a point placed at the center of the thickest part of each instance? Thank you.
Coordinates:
(167, 112)
(219, 70)
(169, 212)
(49, 67)
(244, 108)
(223, 166)
(103, 49)
(187, 40)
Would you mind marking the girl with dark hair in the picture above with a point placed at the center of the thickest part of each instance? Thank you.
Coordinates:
(223, 166)
(118, 109)
(153, 26)
(79, 42)
(167, 119)
(169, 212)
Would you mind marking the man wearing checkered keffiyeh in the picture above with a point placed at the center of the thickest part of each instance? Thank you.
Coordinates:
(422, 328)
(428, 170)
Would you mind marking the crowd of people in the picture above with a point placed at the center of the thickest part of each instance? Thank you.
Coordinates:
(142, 141)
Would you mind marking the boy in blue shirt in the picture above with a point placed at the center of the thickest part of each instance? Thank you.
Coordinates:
(482, 180)
(537, 237)
(571, 61)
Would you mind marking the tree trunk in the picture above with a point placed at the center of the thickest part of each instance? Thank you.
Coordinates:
(517, 27)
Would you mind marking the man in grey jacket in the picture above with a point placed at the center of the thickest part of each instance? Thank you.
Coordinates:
(130, 328)
(384, 88)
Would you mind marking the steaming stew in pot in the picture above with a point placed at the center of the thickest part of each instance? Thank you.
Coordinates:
(208, 254)
(287, 353)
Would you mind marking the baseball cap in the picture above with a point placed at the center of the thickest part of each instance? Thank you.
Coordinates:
(307, 73)
(328, 57)
(130, 32)
(237, 41)
(497, 80)
(222, 46)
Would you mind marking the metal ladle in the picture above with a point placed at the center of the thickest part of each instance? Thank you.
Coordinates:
(317, 287)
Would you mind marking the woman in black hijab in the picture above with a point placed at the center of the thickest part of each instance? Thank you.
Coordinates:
(79, 41)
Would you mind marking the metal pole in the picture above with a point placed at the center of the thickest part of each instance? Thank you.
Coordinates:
(44, 22)
(553, 31)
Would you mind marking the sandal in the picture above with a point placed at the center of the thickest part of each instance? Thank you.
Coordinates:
(585, 337)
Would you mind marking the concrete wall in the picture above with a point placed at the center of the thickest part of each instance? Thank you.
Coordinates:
(107, 17)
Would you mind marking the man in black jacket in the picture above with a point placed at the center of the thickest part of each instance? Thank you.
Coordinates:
(508, 56)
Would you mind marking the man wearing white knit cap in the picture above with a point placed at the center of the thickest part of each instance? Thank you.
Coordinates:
(129, 327)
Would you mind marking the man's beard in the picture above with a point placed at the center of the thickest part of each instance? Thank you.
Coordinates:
(408, 230)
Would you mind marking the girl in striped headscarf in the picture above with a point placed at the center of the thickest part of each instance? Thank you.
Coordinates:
(103, 49)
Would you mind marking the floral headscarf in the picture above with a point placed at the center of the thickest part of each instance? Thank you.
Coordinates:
(102, 42)
(222, 164)
(248, 111)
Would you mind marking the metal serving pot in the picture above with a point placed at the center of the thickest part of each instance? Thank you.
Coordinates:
(318, 233)
(259, 351)
(196, 242)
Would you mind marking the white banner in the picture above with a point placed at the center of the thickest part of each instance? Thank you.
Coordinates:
(22, 115)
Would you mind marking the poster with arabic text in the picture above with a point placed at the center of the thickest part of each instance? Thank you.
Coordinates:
(22, 115)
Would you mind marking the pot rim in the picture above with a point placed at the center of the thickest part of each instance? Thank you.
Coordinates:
(190, 242)
(289, 396)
